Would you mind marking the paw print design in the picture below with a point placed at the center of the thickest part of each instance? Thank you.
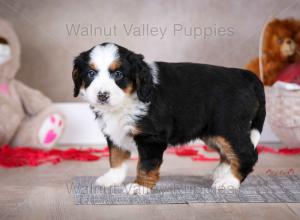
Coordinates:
(51, 130)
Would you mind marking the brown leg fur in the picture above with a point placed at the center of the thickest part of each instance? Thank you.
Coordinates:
(226, 152)
(117, 156)
(147, 179)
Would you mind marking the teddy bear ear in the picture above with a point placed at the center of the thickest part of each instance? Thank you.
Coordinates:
(275, 20)
(271, 24)
(293, 25)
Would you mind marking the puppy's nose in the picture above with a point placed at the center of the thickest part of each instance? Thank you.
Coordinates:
(288, 41)
(103, 96)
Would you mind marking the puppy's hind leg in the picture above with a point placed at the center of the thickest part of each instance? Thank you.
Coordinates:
(237, 160)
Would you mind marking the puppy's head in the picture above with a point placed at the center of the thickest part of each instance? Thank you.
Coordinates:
(108, 74)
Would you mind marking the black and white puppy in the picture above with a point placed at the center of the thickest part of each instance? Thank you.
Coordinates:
(147, 107)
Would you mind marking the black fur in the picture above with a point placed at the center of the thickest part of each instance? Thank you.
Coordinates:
(199, 101)
(140, 73)
(190, 101)
(80, 67)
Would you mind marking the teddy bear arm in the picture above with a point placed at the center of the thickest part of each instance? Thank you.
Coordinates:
(10, 121)
(271, 71)
(253, 66)
(32, 100)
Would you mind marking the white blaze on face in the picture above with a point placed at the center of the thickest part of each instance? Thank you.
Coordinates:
(5, 53)
(102, 57)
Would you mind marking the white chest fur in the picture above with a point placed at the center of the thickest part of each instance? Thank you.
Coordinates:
(118, 129)
(120, 124)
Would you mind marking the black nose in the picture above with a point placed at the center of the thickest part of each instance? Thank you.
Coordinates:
(103, 96)
(289, 41)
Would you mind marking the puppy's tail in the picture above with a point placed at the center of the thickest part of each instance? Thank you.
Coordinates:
(259, 119)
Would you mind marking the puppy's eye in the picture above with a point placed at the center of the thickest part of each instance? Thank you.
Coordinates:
(279, 40)
(118, 75)
(92, 73)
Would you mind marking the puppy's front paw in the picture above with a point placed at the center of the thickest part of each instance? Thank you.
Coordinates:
(227, 183)
(114, 177)
(134, 188)
(107, 180)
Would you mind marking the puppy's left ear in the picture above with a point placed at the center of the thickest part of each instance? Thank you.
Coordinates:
(144, 80)
(77, 81)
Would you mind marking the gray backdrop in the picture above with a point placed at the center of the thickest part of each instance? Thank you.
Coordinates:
(223, 32)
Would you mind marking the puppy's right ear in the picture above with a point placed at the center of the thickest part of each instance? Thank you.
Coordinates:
(77, 81)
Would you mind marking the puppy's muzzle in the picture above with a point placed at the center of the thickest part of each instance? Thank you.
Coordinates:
(103, 97)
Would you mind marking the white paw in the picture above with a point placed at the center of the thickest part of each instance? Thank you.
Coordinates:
(224, 179)
(134, 188)
(108, 180)
(114, 177)
(229, 182)
(221, 171)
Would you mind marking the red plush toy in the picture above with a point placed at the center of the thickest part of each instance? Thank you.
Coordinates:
(291, 74)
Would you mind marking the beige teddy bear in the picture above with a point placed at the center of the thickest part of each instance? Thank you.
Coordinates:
(27, 117)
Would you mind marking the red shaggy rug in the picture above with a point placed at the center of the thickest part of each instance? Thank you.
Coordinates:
(27, 156)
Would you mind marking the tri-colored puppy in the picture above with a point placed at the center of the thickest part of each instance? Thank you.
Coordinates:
(149, 106)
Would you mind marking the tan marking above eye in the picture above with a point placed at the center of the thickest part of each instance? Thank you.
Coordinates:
(114, 65)
(93, 66)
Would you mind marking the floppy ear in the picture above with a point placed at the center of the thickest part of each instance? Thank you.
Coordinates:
(143, 77)
(77, 81)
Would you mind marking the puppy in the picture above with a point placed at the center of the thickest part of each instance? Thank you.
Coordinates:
(149, 106)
